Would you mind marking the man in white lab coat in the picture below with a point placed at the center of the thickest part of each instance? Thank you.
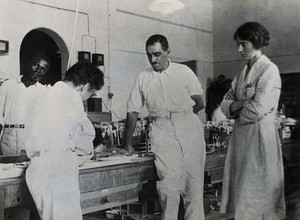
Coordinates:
(173, 96)
(52, 143)
(17, 102)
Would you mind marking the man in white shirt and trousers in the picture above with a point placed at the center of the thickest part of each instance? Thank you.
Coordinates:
(173, 97)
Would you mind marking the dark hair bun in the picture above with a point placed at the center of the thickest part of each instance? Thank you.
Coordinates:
(254, 32)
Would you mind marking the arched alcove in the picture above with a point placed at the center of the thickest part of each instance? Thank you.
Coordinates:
(49, 43)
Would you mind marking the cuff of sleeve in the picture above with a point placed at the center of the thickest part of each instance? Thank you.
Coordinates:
(133, 110)
(225, 106)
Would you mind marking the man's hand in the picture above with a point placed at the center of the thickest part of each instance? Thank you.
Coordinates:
(127, 150)
(199, 103)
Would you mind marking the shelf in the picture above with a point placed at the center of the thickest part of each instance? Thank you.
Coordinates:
(294, 197)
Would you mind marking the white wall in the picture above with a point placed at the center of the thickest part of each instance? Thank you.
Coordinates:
(281, 18)
(201, 31)
(121, 29)
(17, 18)
(189, 32)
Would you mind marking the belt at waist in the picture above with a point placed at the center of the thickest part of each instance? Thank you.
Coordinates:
(14, 126)
(175, 114)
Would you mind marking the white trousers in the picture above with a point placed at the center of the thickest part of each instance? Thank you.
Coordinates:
(179, 148)
(52, 180)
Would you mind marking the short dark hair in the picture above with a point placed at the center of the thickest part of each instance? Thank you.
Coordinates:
(84, 72)
(253, 32)
(158, 38)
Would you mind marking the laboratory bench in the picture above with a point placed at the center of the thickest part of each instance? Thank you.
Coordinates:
(113, 182)
(103, 184)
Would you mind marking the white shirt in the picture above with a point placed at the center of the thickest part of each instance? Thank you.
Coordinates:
(16, 100)
(60, 122)
(17, 106)
(168, 91)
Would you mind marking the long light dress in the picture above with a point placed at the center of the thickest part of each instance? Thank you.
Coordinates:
(253, 182)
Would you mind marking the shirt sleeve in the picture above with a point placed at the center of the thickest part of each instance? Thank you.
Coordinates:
(265, 99)
(136, 99)
(193, 84)
(84, 136)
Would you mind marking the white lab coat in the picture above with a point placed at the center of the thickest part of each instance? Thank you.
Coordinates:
(52, 176)
(253, 184)
(17, 107)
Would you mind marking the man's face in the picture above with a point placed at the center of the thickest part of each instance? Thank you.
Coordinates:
(38, 70)
(157, 57)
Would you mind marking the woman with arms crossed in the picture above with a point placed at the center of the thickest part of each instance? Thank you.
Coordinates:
(253, 185)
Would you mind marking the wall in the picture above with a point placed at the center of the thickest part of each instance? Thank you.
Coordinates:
(281, 18)
(120, 28)
(189, 32)
(20, 17)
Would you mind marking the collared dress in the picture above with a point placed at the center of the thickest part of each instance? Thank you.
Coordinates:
(57, 130)
(17, 107)
(177, 139)
(253, 182)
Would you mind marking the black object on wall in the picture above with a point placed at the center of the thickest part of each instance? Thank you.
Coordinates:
(98, 59)
(84, 55)
(215, 93)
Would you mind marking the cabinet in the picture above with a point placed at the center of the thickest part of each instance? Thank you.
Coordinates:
(290, 94)
(214, 170)
(214, 166)
(291, 158)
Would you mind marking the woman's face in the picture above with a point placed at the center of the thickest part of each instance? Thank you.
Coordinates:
(246, 49)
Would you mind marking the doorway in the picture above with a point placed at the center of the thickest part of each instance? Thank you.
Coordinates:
(38, 42)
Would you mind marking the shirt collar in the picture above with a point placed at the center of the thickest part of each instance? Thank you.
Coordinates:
(155, 72)
(19, 81)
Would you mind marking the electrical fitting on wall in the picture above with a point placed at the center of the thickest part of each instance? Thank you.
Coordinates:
(110, 95)
(95, 58)
(84, 55)
(4, 46)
